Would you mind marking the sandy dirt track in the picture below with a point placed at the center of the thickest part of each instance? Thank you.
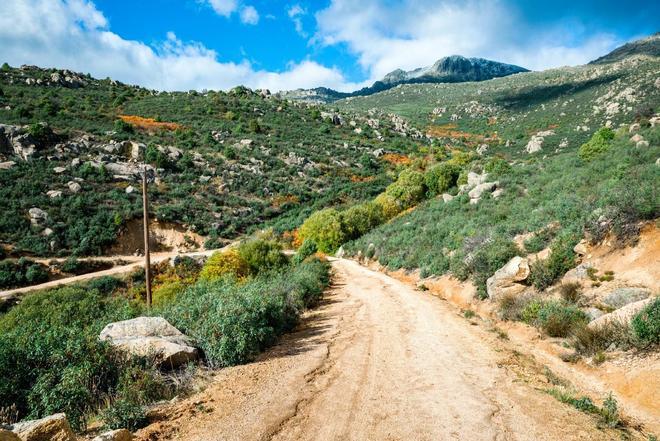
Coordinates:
(376, 361)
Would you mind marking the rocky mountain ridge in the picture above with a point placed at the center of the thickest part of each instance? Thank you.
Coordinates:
(452, 69)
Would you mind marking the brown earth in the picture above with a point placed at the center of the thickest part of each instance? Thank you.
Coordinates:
(379, 360)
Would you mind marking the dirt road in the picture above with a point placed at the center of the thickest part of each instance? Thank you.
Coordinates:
(377, 361)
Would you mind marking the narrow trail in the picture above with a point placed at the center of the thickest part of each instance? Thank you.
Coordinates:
(134, 262)
(376, 361)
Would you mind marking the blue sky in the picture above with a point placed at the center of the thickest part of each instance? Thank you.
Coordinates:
(344, 44)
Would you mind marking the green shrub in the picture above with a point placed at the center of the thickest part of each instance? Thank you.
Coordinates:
(487, 259)
(389, 206)
(36, 274)
(646, 324)
(167, 292)
(224, 263)
(497, 167)
(591, 340)
(558, 319)
(124, 414)
(71, 265)
(359, 219)
(260, 255)
(307, 249)
(597, 145)
(106, 284)
(409, 189)
(51, 359)
(543, 273)
(325, 229)
(441, 177)
(233, 322)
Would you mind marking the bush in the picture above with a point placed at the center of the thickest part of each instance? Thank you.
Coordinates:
(51, 359)
(497, 167)
(308, 248)
(71, 265)
(597, 145)
(167, 292)
(124, 414)
(441, 178)
(233, 322)
(571, 292)
(325, 229)
(224, 263)
(409, 189)
(646, 324)
(543, 273)
(262, 255)
(389, 206)
(106, 284)
(36, 274)
(591, 340)
(558, 319)
(360, 219)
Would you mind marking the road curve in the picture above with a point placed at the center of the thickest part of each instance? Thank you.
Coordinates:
(376, 361)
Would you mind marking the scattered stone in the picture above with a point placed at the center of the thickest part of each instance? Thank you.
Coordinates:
(7, 165)
(53, 194)
(52, 428)
(37, 215)
(636, 138)
(497, 193)
(633, 128)
(581, 248)
(474, 179)
(151, 336)
(59, 170)
(505, 280)
(641, 144)
(482, 149)
(115, 435)
(74, 187)
(534, 145)
(47, 232)
(621, 297)
(340, 253)
(447, 197)
(476, 193)
(130, 189)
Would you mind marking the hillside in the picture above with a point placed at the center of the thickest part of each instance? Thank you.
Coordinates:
(453, 69)
(223, 163)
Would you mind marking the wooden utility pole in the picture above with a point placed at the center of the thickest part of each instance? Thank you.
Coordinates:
(145, 209)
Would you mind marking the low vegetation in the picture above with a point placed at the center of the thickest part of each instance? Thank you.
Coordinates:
(51, 358)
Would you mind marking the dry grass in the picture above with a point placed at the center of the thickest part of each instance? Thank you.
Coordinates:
(140, 122)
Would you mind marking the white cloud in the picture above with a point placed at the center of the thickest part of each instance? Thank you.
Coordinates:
(411, 33)
(249, 15)
(295, 13)
(76, 35)
(223, 7)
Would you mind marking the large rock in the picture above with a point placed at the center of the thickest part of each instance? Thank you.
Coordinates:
(622, 315)
(37, 216)
(17, 141)
(115, 435)
(505, 280)
(474, 179)
(476, 193)
(621, 297)
(7, 435)
(151, 337)
(52, 428)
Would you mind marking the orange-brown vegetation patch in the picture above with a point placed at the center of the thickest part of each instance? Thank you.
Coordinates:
(396, 158)
(356, 178)
(449, 131)
(149, 123)
(281, 200)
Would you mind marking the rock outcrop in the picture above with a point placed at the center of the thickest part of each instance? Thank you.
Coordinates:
(151, 337)
(115, 435)
(52, 428)
(621, 297)
(8, 435)
(506, 279)
(622, 315)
